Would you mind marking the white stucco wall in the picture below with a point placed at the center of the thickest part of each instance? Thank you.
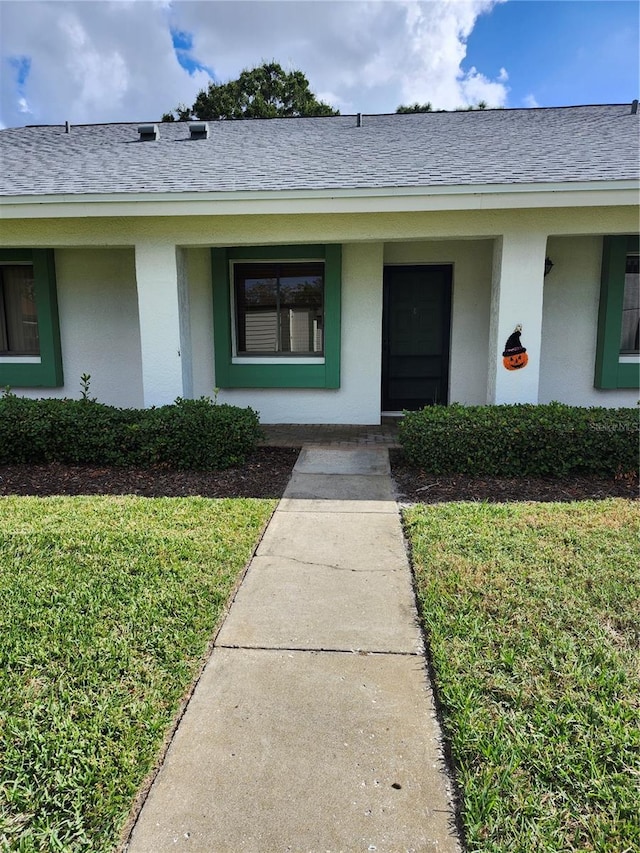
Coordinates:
(98, 298)
(198, 263)
(161, 290)
(517, 291)
(99, 327)
(471, 261)
(570, 324)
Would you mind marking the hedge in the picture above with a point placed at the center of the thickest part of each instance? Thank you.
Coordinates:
(190, 434)
(521, 440)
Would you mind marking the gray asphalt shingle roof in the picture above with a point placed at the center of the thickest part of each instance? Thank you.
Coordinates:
(564, 144)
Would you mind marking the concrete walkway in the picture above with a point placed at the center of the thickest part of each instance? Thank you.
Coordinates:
(312, 728)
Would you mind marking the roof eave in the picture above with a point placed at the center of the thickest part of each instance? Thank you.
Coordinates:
(379, 200)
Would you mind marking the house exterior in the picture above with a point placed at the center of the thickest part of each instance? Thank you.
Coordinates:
(325, 270)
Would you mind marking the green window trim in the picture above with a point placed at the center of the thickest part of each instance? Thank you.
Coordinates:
(48, 373)
(231, 374)
(610, 372)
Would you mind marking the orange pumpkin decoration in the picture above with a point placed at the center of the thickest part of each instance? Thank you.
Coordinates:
(515, 355)
(515, 362)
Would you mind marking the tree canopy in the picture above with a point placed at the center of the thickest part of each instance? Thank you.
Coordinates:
(266, 91)
(428, 108)
(481, 105)
(415, 108)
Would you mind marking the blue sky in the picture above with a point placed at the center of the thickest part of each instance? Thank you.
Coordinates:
(108, 60)
(568, 52)
(183, 46)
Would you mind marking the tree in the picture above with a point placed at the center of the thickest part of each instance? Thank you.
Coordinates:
(403, 109)
(481, 105)
(428, 107)
(266, 91)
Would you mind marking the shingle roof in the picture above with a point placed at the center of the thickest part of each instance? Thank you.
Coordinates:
(565, 144)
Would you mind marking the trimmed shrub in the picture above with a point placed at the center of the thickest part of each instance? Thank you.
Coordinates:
(25, 430)
(191, 434)
(521, 440)
(201, 435)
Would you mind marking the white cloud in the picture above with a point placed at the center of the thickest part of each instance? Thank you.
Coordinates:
(115, 61)
(430, 68)
(530, 101)
(102, 75)
(373, 55)
(91, 62)
(476, 87)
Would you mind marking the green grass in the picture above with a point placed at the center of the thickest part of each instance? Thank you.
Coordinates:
(107, 607)
(532, 614)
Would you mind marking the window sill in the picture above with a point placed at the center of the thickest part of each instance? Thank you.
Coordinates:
(629, 359)
(20, 359)
(267, 359)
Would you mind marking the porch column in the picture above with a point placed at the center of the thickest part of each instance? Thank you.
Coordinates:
(516, 299)
(161, 294)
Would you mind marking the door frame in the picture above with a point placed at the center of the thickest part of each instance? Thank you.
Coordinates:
(447, 322)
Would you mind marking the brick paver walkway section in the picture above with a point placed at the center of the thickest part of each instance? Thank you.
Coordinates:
(298, 435)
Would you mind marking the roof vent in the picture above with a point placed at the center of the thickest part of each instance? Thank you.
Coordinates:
(67, 127)
(148, 132)
(199, 130)
(359, 120)
(634, 107)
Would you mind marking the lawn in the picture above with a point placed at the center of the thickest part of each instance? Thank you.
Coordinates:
(108, 606)
(532, 617)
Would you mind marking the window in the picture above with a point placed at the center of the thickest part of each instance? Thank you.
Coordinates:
(276, 316)
(18, 312)
(30, 353)
(279, 308)
(618, 347)
(630, 337)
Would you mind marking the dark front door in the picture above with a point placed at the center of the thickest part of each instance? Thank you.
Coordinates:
(415, 336)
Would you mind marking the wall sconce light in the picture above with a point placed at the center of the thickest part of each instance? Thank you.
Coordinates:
(548, 265)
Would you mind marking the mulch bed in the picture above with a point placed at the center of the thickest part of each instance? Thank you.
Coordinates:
(416, 486)
(267, 472)
(265, 475)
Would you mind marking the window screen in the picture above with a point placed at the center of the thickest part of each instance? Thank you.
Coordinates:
(18, 314)
(279, 308)
(630, 336)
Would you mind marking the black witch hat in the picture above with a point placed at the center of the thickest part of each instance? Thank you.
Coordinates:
(513, 345)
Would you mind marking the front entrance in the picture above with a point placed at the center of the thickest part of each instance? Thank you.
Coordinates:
(416, 322)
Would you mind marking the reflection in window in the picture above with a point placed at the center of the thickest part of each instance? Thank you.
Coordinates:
(18, 314)
(279, 308)
(630, 337)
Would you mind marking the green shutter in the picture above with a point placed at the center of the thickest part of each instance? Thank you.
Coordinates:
(609, 372)
(333, 313)
(47, 374)
(321, 375)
